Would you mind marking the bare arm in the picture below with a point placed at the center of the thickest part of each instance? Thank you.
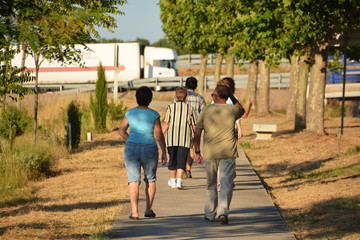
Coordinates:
(235, 101)
(160, 137)
(165, 127)
(124, 125)
(197, 137)
(238, 123)
(247, 110)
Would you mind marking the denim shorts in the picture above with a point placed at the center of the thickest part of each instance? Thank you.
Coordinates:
(137, 155)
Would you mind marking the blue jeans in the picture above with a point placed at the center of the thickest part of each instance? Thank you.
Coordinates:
(226, 174)
(137, 155)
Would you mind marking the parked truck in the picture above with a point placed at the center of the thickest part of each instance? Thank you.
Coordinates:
(121, 61)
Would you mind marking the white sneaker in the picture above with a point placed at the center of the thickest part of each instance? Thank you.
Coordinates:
(172, 183)
(179, 185)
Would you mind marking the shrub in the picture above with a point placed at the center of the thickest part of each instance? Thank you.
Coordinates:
(117, 112)
(86, 121)
(74, 118)
(26, 162)
(99, 106)
(14, 122)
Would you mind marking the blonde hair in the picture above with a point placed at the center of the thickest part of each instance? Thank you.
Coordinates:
(228, 81)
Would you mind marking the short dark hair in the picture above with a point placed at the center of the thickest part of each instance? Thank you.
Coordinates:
(222, 92)
(143, 96)
(181, 93)
(191, 83)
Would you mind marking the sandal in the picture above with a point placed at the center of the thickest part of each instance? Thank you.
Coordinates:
(133, 218)
(151, 215)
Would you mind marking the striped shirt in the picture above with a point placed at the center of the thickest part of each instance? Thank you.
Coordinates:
(195, 100)
(181, 117)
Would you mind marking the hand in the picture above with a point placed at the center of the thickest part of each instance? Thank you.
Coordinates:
(249, 103)
(239, 134)
(163, 158)
(199, 159)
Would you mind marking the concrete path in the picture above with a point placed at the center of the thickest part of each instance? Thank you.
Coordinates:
(180, 213)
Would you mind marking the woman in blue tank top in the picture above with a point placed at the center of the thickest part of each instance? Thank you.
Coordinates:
(141, 150)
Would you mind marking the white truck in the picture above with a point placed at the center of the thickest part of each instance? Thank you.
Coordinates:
(121, 61)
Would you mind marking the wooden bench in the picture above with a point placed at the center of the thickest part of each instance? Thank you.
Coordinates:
(264, 130)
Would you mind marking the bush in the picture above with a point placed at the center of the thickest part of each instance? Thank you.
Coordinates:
(99, 106)
(74, 117)
(14, 123)
(26, 162)
(86, 121)
(116, 112)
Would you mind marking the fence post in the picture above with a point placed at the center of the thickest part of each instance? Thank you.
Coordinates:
(280, 79)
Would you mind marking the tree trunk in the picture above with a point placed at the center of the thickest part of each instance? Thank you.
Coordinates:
(202, 72)
(230, 66)
(315, 103)
(294, 79)
(23, 58)
(218, 63)
(300, 116)
(252, 83)
(263, 100)
(36, 95)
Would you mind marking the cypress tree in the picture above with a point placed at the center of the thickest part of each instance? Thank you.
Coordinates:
(99, 106)
(74, 117)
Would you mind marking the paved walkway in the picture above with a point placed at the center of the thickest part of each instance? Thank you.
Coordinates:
(180, 213)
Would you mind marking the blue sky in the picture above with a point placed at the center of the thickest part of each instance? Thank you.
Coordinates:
(141, 19)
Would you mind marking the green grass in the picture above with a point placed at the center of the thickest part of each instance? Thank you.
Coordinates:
(353, 151)
(280, 111)
(26, 162)
(350, 204)
(247, 145)
(336, 172)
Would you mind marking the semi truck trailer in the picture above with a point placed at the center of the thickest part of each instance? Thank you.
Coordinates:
(121, 61)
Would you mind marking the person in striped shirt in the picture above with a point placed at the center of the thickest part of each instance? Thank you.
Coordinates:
(197, 102)
(179, 123)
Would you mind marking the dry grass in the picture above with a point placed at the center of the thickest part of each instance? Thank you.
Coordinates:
(83, 198)
(302, 172)
(89, 188)
(84, 195)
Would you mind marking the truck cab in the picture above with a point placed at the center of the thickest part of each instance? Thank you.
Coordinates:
(160, 62)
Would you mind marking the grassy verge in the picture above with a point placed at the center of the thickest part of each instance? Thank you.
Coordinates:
(25, 163)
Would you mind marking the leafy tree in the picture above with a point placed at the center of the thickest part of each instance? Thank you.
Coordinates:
(74, 118)
(99, 106)
(11, 78)
(187, 24)
(14, 123)
(312, 25)
(143, 41)
(165, 43)
(52, 29)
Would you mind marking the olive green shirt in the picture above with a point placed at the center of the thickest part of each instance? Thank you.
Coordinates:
(217, 122)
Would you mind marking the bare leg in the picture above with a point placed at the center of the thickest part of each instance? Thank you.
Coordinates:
(173, 174)
(134, 197)
(180, 173)
(190, 160)
(150, 190)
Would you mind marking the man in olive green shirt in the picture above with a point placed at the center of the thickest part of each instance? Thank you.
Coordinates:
(220, 150)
